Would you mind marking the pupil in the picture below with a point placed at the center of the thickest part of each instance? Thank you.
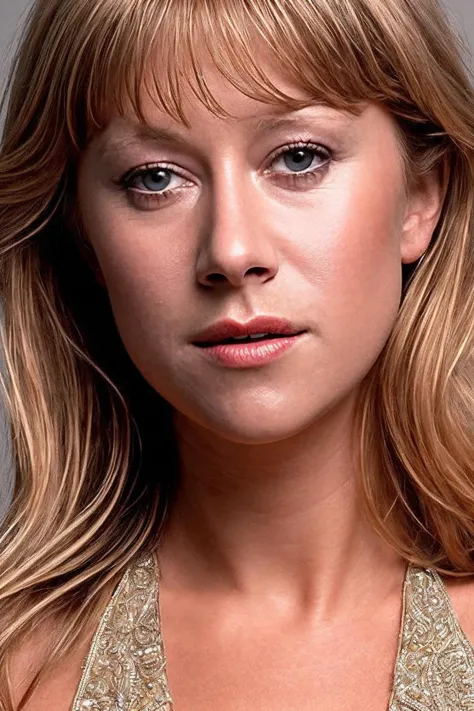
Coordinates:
(154, 179)
(301, 158)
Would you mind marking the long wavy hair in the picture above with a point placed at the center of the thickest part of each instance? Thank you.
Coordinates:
(93, 478)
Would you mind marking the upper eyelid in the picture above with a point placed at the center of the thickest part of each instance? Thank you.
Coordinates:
(126, 181)
(141, 170)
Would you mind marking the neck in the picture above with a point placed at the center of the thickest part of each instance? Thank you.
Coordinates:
(280, 518)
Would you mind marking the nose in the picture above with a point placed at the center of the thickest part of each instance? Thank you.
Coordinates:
(237, 247)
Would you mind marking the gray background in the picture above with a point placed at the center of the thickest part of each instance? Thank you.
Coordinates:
(12, 13)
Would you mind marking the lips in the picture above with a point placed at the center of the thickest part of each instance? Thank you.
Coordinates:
(225, 331)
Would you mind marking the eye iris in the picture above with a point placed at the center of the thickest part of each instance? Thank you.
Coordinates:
(154, 179)
(301, 159)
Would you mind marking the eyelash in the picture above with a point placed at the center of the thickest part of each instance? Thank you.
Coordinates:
(295, 180)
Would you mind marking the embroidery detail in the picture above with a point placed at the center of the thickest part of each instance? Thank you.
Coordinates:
(126, 668)
(435, 665)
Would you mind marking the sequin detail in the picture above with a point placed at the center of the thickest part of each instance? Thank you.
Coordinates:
(125, 669)
(435, 664)
(126, 666)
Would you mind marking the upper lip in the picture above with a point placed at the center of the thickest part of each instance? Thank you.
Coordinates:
(221, 330)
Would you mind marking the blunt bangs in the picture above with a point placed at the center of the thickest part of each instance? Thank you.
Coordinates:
(335, 56)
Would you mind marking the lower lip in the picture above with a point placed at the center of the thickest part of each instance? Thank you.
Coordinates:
(249, 355)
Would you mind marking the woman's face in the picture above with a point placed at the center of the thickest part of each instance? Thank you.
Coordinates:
(218, 226)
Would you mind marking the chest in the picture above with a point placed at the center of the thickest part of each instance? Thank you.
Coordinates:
(247, 668)
(343, 668)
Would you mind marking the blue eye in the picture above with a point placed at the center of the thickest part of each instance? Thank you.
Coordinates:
(152, 179)
(156, 179)
(300, 157)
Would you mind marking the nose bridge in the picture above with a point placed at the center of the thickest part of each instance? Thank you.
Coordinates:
(236, 246)
(232, 200)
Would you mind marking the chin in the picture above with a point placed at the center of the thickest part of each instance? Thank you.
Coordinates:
(257, 427)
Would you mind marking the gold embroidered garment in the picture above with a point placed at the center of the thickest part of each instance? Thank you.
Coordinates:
(126, 667)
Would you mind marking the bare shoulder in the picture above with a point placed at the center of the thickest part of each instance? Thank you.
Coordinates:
(57, 690)
(461, 593)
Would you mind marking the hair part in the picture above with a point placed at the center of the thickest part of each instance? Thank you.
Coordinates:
(87, 499)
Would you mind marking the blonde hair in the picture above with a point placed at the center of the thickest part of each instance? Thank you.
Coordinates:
(88, 497)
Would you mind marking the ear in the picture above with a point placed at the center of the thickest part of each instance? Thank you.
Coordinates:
(422, 213)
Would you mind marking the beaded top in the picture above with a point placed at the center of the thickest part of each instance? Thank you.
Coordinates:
(125, 669)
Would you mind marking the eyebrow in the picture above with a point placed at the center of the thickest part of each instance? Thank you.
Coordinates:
(269, 123)
(146, 132)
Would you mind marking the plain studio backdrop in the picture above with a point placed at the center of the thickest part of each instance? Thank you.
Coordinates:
(12, 14)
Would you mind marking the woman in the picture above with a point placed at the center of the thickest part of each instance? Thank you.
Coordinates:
(237, 258)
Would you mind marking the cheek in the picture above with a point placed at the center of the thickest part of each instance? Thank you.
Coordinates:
(143, 271)
(358, 263)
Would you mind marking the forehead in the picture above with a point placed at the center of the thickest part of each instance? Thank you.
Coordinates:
(159, 127)
(230, 98)
(239, 113)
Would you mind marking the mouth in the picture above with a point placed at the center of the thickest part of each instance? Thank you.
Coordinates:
(242, 340)
(251, 351)
(263, 339)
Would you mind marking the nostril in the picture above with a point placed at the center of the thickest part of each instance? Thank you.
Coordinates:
(256, 270)
(216, 277)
